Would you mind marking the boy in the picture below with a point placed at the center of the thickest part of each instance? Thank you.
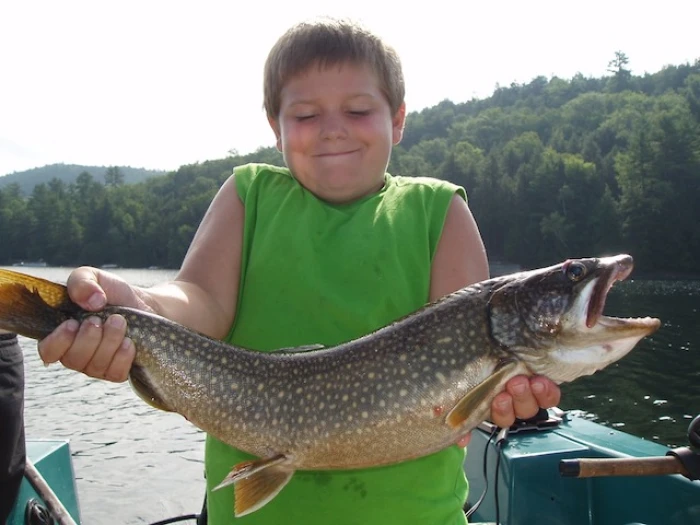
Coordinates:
(322, 252)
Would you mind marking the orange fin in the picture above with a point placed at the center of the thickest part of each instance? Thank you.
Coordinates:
(475, 398)
(257, 482)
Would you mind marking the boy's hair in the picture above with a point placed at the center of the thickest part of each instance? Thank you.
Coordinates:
(328, 42)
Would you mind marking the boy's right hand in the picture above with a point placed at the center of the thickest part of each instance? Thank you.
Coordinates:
(95, 348)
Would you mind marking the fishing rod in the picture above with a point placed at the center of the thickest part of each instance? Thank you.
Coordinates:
(681, 460)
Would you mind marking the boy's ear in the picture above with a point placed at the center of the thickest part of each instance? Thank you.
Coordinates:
(397, 123)
(275, 125)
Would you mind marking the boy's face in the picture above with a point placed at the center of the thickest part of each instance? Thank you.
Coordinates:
(336, 131)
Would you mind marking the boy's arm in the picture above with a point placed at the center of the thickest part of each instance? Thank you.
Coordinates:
(460, 260)
(203, 296)
(460, 256)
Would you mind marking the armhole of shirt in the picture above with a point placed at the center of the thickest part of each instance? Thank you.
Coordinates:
(443, 199)
(244, 176)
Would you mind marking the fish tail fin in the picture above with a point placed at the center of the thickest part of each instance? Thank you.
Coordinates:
(31, 306)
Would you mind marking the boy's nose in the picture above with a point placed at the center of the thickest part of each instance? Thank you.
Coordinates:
(333, 127)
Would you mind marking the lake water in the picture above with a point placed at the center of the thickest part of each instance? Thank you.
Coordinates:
(653, 392)
(135, 464)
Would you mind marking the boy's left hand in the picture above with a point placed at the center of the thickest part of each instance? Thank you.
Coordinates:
(522, 398)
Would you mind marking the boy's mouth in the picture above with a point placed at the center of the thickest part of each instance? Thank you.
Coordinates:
(336, 153)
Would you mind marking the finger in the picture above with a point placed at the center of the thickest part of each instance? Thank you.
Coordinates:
(546, 392)
(56, 344)
(113, 332)
(119, 368)
(85, 345)
(464, 441)
(85, 290)
(502, 413)
(524, 403)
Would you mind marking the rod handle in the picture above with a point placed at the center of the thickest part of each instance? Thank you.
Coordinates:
(595, 467)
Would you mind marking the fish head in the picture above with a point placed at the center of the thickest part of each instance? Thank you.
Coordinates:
(552, 318)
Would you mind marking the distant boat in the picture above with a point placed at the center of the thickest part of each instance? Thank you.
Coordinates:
(31, 264)
(109, 266)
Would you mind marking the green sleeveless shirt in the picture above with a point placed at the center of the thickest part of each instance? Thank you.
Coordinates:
(313, 272)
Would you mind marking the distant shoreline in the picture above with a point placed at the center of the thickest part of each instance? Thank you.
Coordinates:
(496, 269)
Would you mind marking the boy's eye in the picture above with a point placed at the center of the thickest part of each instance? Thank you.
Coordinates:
(300, 118)
(359, 113)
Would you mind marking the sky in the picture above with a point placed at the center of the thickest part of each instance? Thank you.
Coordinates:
(158, 84)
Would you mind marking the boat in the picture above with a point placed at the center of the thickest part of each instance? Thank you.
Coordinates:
(31, 264)
(530, 476)
(521, 475)
(50, 469)
(48, 494)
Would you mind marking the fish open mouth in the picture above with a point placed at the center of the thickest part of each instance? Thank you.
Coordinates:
(618, 269)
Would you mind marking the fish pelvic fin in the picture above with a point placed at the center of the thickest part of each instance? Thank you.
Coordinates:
(257, 482)
(479, 398)
(142, 385)
(31, 306)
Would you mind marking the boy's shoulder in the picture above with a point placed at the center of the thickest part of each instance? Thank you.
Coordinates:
(429, 185)
(254, 169)
(260, 175)
(430, 182)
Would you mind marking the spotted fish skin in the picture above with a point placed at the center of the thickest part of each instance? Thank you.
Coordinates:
(320, 406)
(404, 391)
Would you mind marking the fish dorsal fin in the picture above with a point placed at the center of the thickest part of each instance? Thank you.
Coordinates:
(257, 482)
(138, 378)
(298, 349)
(474, 400)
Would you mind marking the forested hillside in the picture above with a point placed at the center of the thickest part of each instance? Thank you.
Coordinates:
(554, 168)
(68, 173)
(561, 168)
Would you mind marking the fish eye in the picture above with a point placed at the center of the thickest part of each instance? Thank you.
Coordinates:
(575, 271)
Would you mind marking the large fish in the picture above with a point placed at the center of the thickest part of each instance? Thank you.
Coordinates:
(404, 391)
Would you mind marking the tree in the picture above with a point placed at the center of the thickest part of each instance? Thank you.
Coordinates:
(643, 197)
(692, 93)
(13, 220)
(622, 77)
(114, 176)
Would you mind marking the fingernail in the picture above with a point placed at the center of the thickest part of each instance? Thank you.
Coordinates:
(502, 404)
(519, 389)
(41, 355)
(72, 325)
(126, 343)
(116, 321)
(96, 301)
(38, 350)
(537, 387)
(94, 321)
